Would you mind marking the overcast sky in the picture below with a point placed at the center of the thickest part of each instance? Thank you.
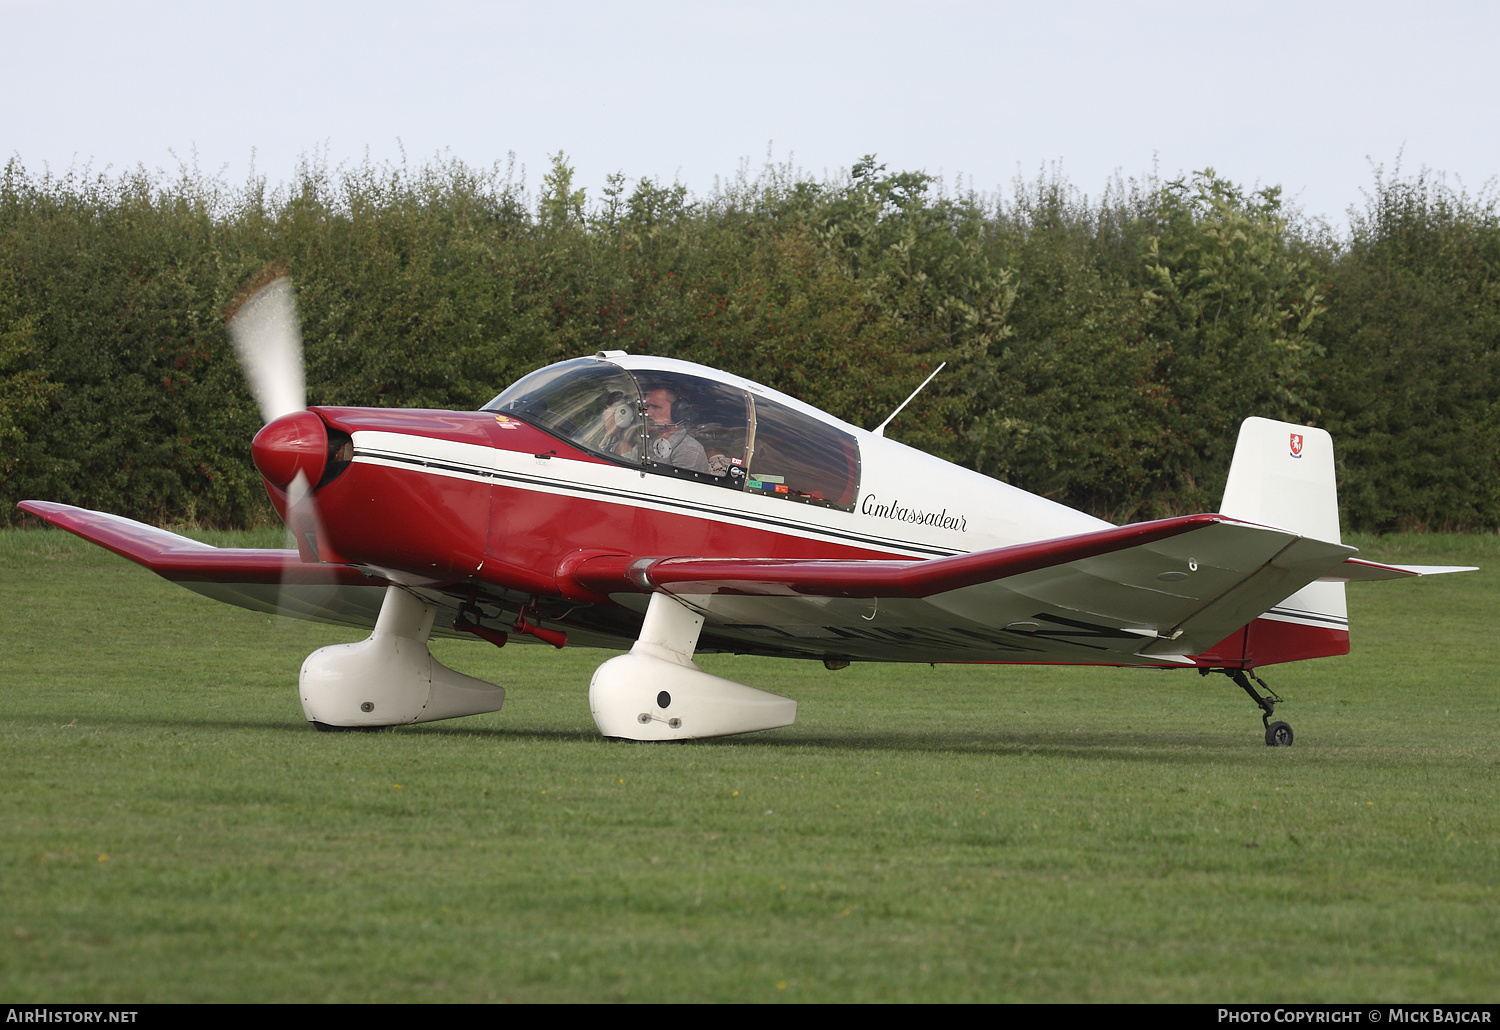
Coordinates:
(1304, 95)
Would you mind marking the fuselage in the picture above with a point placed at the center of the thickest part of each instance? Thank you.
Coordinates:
(442, 497)
(618, 457)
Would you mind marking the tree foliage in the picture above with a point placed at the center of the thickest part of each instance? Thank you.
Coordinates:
(1100, 352)
(1411, 377)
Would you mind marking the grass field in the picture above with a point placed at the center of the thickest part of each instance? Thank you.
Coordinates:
(171, 829)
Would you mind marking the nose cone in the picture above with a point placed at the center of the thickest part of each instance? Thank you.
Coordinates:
(291, 444)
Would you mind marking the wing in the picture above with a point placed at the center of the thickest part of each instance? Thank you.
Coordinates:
(1148, 594)
(273, 581)
(278, 582)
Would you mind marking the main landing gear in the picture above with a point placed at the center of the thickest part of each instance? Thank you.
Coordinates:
(1278, 734)
(390, 678)
(656, 692)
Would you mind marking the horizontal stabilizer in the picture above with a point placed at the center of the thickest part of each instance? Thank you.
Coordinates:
(1358, 570)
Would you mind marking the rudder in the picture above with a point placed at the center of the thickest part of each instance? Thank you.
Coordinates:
(1282, 475)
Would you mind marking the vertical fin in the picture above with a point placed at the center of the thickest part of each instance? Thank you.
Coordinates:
(1282, 475)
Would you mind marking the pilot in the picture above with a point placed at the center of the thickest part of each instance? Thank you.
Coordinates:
(667, 441)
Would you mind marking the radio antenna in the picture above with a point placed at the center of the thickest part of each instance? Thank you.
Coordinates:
(880, 429)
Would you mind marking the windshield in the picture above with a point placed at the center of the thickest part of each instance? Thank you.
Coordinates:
(588, 402)
(689, 427)
(668, 423)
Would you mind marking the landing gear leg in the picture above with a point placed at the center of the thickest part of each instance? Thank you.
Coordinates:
(656, 692)
(390, 678)
(1278, 734)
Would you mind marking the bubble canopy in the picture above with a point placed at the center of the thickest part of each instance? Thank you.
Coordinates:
(679, 420)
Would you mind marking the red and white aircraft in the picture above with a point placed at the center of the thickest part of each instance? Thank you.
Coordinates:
(646, 503)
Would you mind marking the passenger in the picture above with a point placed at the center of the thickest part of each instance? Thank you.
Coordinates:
(668, 441)
(622, 431)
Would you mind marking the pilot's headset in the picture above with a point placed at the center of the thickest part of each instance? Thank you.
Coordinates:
(621, 412)
(682, 410)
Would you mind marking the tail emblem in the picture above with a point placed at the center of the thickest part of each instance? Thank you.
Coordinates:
(1296, 445)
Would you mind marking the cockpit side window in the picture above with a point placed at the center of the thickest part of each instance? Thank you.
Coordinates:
(802, 459)
(693, 428)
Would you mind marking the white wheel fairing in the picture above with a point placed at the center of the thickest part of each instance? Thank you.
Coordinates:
(656, 692)
(390, 678)
(638, 697)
